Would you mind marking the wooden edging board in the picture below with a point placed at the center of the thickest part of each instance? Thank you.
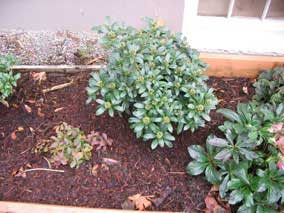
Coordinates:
(248, 66)
(18, 207)
(220, 65)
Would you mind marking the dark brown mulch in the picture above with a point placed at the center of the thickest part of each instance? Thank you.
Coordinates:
(140, 170)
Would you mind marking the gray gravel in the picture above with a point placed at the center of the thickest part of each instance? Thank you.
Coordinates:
(50, 47)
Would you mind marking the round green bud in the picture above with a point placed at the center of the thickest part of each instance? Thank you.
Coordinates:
(100, 84)
(166, 120)
(192, 92)
(200, 108)
(164, 99)
(151, 92)
(107, 105)
(159, 135)
(140, 78)
(163, 41)
(146, 120)
(147, 106)
(112, 85)
(177, 84)
(111, 34)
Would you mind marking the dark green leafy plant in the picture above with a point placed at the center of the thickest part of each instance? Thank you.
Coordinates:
(154, 76)
(8, 80)
(269, 87)
(243, 169)
(70, 146)
(248, 161)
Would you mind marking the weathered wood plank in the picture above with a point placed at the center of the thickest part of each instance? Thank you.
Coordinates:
(56, 68)
(220, 65)
(17, 207)
(223, 65)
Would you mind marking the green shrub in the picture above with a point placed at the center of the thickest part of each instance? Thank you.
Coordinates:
(7, 78)
(248, 162)
(270, 86)
(154, 76)
(70, 146)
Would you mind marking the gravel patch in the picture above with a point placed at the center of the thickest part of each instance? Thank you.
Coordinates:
(50, 47)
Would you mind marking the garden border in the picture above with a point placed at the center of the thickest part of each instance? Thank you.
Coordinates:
(19, 207)
(221, 65)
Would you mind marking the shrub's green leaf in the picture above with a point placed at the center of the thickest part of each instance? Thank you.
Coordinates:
(235, 197)
(229, 114)
(224, 155)
(219, 142)
(154, 144)
(195, 167)
(100, 111)
(224, 186)
(212, 175)
(197, 152)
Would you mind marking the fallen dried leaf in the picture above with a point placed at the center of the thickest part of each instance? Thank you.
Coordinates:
(167, 161)
(100, 140)
(245, 90)
(39, 76)
(95, 170)
(31, 101)
(5, 103)
(58, 109)
(16, 106)
(20, 129)
(31, 129)
(13, 135)
(104, 167)
(214, 203)
(20, 173)
(2, 134)
(27, 108)
(39, 113)
(141, 202)
(128, 205)
(110, 161)
(220, 100)
(163, 196)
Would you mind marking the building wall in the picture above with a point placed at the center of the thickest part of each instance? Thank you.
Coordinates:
(84, 14)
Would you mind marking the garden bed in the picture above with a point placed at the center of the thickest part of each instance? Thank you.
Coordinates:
(136, 168)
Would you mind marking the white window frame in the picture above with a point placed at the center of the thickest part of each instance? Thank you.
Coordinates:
(233, 34)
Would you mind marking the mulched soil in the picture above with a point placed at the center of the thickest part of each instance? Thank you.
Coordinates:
(140, 170)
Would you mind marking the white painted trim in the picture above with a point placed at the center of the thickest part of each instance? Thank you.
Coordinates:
(265, 9)
(233, 35)
(230, 8)
(189, 15)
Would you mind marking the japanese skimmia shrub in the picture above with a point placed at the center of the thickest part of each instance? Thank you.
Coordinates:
(8, 80)
(270, 86)
(248, 162)
(153, 75)
(70, 146)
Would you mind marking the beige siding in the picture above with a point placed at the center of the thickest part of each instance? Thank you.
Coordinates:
(83, 14)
